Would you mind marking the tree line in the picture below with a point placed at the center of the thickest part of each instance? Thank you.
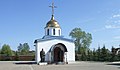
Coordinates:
(100, 54)
(22, 50)
(82, 42)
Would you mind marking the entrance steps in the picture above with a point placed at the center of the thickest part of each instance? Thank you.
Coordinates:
(42, 63)
(56, 63)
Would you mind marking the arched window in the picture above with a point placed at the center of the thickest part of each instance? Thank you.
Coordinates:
(53, 31)
(47, 31)
(59, 32)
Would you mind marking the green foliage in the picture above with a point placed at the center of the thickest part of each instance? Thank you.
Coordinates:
(82, 42)
(89, 55)
(118, 56)
(77, 35)
(23, 49)
(94, 56)
(98, 52)
(6, 50)
(16, 56)
(20, 47)
(101, 54)
(114, 57)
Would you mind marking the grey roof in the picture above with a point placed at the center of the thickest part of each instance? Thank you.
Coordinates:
(53, 38)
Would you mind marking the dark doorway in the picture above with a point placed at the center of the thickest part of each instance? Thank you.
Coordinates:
(58, 55)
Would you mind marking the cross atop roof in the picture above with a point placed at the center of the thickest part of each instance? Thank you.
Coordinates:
(53, 7)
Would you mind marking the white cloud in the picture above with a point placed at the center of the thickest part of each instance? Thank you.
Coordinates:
(113, 22)
(109, 26)
(115, 16)
(112, 26)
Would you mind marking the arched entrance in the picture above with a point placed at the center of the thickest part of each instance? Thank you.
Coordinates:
(58, 55)
(59, 50)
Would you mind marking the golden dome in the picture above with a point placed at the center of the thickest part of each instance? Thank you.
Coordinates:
(52, 23)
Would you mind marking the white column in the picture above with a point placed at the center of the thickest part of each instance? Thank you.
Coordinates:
(66, 57)
(37, 54)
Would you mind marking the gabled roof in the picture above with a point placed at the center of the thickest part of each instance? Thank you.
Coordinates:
(53, 38)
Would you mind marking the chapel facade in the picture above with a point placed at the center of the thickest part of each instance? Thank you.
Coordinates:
(57, 48)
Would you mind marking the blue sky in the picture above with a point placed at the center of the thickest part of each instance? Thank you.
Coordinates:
(24, 20)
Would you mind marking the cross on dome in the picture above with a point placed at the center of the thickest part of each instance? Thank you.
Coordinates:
(52, 6)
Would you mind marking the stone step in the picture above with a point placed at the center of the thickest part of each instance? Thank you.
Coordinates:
(42, 63)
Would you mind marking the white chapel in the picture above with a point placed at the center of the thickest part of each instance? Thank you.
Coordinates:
(57, 48)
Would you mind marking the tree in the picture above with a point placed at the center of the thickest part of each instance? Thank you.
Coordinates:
(77, 35)
(113, 54)
(82, 41)
(16, 56)
(0, 51)
(20, 47)
(118, 56)
(83, 54)
(23, 49)
(105, 54)
(89, 56)
(98, 52)
(6, 50)
(94, 57)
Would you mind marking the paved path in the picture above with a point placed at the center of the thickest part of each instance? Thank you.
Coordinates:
(73, 66)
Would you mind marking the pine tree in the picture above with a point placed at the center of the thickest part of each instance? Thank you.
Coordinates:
(98, 52)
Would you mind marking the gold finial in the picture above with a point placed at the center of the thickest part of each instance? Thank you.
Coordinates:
(53, 8)
(52, 18)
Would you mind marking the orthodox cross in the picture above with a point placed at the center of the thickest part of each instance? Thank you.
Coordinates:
(53, 8)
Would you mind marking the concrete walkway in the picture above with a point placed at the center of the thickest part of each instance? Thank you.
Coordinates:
(73, 66)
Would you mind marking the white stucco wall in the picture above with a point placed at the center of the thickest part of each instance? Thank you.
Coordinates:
(46, 45)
